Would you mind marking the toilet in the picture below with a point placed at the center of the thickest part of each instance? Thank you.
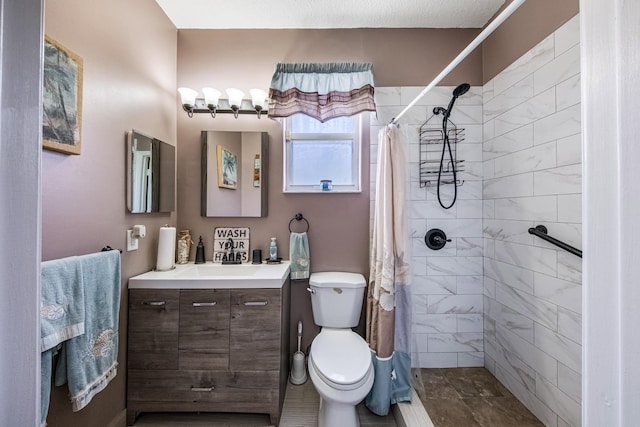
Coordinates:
(339, 361)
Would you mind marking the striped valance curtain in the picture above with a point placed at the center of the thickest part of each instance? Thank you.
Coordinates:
(321, 91)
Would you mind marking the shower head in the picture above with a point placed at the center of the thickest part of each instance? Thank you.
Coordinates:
(458, 91)
(461, 90)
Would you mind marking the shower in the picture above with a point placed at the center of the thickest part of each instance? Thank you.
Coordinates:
(457, 92)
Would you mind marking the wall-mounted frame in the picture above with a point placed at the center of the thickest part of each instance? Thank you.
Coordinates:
(61, 98)
(227, 168)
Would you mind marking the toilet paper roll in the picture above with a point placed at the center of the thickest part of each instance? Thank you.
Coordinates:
(166, 248)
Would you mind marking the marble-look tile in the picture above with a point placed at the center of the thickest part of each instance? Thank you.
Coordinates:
(508, 230)
(570, 382)
(473, 171)
(488, 130)
(568, 35)
(470, 190)
(534, 109)
(488, 209)
(469, 152)
(570, 208)
(457, 227)
(489, 287)
(568, 93)
(417, 226)
(474, 382)
(451, 266)
(469, 246)
(438, 95)
(534, 308)
(537, 359)
(563, 423)
(516, 277)
(489, 327)
(433, 383)
(457, 342)
(508, 361)
(489, 169)
(569, 150)
(436, 360)
(449, 413)
(489, 364)
(559, 125)
(434, 323)
(454, 304)
(469, 209)
(489, 248)
(510, 186)
(469, 323)
(564, 66)
(544, 208)
(418, 266)
(561, 180)
(570, 325)
(531, 159)
(533, 258)
(510, 142)
(511, 319)
(487, 91)
(434, 285)
(431, 209)
(557, 291)
(473, 133)
(419, 248)
(570, 233)
(569, 267)
(385, 96)
(557, 346)
(471, 359)
(464, 115)
(511, 97)
(539, 55)
(469, 285)
(535, 405)
(502, 412)
(558, 401)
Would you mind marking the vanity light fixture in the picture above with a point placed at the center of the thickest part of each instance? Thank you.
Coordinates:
(213, 104)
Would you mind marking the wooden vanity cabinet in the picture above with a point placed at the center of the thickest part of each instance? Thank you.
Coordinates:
(206, 350)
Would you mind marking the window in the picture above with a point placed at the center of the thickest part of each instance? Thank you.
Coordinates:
(316, 151)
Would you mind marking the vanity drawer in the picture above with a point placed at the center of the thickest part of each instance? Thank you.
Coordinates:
(228, 388)
(204, 319)
(153, 329)
(255, 330)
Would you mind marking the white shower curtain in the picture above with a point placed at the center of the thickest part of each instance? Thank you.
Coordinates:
(388, 294)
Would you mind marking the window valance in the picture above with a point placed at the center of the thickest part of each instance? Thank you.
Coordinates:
(321, 91)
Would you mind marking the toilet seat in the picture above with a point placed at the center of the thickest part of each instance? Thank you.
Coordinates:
(341, 358)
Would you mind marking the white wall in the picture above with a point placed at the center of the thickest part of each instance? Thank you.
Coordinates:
(446, 284)
(532, 175)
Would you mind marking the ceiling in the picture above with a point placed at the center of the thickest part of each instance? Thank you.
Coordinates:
(244, 14)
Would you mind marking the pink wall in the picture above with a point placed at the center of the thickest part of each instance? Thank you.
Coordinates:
(129, 53)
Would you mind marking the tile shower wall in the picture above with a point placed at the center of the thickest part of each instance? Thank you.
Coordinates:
(532, 175)
(447, 284)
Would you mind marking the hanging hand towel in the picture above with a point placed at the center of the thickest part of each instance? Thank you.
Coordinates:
(88, 362)
(299, 255)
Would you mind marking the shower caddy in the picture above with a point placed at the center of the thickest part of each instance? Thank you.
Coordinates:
(431, 140)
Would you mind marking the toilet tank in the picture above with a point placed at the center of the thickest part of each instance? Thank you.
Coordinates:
(337, 298)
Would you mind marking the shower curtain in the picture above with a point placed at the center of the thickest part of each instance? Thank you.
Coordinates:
(388, 293)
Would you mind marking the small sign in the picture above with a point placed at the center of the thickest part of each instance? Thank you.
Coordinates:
(231, 242)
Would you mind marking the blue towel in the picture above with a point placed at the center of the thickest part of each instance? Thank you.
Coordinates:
(61, 315)
(299, 255)
(89, 362)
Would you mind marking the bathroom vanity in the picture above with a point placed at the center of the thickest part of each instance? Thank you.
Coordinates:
(209, 338)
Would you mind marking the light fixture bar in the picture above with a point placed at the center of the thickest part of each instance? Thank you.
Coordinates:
(246, 107)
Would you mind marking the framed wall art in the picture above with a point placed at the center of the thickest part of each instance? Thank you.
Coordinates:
(61, 98)
(227, 168)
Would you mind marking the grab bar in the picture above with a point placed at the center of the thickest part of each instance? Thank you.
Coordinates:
(541, 231)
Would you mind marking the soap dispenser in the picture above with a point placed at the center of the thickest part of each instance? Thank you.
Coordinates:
(273, 250)
(200, 252)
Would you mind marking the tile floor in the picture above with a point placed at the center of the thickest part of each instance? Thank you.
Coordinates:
(300, 410)
(471, 397)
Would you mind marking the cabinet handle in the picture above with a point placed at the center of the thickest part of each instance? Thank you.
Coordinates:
(208, 389)
(255, 303)
(203, 304)
(154, 303)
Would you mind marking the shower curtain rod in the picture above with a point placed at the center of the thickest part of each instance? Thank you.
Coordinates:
(479, 39)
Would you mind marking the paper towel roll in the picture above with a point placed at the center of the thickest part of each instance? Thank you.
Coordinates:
(166, 248)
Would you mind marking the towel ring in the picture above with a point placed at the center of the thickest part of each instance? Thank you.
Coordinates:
(299, 217)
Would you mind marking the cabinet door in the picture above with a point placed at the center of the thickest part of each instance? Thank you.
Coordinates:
(204, 329)
(153, 329)
(255, 329)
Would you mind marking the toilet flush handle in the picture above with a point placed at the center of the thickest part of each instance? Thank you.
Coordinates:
(311, 291)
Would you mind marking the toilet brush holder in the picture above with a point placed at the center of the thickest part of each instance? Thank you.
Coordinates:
(298, 370)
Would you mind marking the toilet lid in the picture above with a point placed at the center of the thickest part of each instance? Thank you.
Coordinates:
(341, 356)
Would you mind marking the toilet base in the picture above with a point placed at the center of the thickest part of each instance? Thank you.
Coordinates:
(332, 414)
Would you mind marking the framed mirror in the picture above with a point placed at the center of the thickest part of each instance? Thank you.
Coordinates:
(151, 174)
(234, 169)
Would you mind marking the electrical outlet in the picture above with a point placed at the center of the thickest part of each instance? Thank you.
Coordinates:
(132, 242)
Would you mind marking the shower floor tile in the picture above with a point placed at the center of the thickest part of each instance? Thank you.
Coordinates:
(471, 397)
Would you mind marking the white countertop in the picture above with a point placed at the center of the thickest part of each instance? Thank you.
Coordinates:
(214, 276)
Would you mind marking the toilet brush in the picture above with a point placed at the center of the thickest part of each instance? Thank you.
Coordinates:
(298, 370)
